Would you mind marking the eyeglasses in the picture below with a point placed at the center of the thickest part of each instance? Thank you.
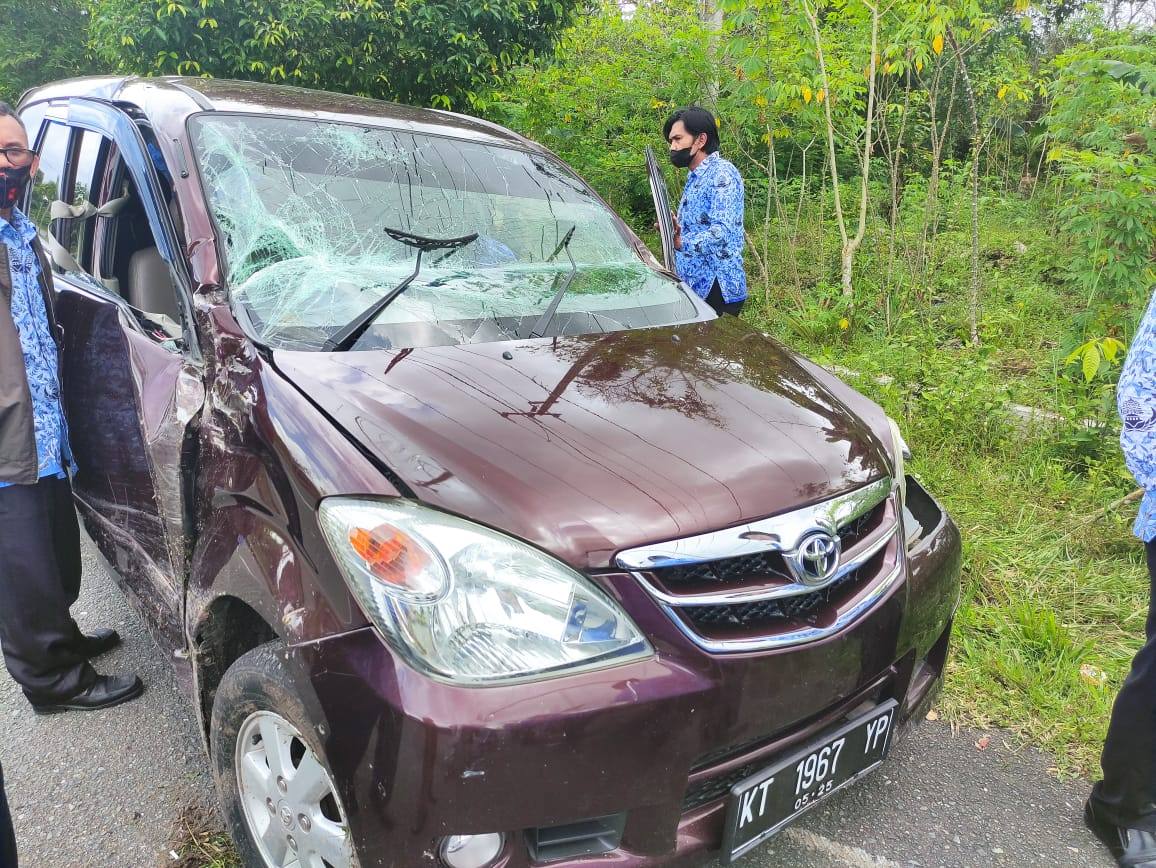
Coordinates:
(18, 157)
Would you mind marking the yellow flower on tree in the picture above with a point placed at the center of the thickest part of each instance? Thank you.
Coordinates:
(806, 94)
(937, 43)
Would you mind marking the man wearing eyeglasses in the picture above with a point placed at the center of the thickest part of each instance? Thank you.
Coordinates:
(44, 650)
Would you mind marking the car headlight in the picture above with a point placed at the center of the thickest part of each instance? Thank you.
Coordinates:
(469, 604)
(900, 455)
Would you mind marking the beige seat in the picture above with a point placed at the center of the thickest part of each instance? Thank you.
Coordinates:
(150, 284)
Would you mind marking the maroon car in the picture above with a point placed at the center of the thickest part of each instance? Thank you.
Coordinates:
(475, 537)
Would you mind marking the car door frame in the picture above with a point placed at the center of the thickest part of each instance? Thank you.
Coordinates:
(662, 210)
(159, 597)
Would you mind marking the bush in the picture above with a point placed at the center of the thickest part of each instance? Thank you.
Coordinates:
(437, 52)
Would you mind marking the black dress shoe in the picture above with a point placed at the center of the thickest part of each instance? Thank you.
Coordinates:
(105, 692)
(99, 642)
(1131, 848)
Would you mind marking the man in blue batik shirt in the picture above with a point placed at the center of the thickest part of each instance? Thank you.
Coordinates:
(1122, 807)
(708, 229)
(40, 568)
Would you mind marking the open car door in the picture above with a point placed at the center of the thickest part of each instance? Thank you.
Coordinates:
(132, 389)
(661, 207)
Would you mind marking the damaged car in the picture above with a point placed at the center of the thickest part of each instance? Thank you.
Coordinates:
(474, 536)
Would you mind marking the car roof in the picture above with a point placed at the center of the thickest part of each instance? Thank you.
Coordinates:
(162, 98)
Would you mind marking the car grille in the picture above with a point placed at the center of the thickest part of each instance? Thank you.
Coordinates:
(762, 596)
(727, 571)
(764, 612)
(744, 568)
(713, 789)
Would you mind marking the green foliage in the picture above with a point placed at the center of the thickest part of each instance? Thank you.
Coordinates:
(437, 52)
(606, 94)
(42, 41)
(825, 314)
(1103, 121)
(777, 86)
(1096, 356)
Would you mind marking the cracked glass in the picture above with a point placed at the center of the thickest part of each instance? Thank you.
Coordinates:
(302, 206)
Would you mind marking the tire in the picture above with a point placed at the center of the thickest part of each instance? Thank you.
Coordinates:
(280, 804)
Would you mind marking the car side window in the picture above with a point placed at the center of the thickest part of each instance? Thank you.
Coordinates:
(50, 180)
(130, 262)
(111, 241)
(91, 156)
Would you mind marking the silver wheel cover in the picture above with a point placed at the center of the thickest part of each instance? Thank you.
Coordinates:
(287, 796)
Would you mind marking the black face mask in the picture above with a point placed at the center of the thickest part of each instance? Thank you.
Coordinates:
(680, 157)
(13, 180)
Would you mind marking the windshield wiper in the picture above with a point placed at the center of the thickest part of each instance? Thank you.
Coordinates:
(543, 323)
(564, 244)
(348, 335)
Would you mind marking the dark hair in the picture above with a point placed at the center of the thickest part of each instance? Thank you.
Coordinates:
(6, 111)
(696, 120)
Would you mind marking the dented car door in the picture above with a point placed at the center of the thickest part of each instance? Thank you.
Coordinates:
(132, 385)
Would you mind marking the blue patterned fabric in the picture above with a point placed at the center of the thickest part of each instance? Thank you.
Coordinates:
(711, 217)
(39, 348)
(1136, 400)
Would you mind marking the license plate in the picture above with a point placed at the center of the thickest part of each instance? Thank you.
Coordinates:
(764, 803)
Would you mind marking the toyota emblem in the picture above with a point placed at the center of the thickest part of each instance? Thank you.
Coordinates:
(817, 558)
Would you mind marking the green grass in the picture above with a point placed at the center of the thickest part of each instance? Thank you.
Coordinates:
(1054, 605)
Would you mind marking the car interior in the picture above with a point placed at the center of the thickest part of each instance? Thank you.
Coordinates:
(110, 239)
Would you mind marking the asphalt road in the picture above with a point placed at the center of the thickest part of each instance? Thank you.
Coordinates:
(102, 790)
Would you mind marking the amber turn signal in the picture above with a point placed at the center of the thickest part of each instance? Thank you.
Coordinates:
(386, 553)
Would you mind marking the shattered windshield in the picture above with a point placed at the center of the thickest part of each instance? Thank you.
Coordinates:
(302, 207)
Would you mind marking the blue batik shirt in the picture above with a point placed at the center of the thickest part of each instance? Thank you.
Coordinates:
(1136, 399)
(40, 357)
(711, 217)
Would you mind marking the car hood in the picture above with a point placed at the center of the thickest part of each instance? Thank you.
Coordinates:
(588, 445)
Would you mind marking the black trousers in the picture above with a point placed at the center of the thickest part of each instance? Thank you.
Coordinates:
(1127, 795)
(39, 582)
(7, 835)
(715, 299)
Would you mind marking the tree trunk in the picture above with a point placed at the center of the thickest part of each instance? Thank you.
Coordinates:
(849, 248)
(895, 157)
(938, 141)
(976, 147)
(848, 244)
(845, 268)
(712, 16)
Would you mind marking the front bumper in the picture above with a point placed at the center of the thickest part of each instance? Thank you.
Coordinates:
(651, 748)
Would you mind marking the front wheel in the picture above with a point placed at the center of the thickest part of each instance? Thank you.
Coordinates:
(276, 790)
